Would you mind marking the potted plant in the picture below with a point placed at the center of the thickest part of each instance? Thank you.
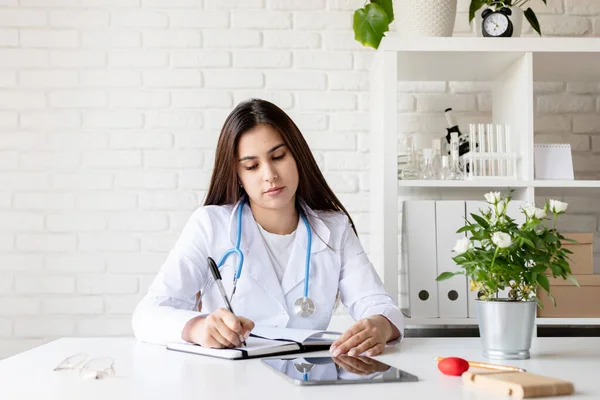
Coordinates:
(499, 256)
(418, 18)
(372, 22)
(517, 6)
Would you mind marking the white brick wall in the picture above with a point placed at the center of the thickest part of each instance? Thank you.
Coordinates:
(110, 111)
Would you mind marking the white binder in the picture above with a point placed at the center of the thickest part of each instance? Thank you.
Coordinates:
(419, 233)
(452, 293)
(514, 211)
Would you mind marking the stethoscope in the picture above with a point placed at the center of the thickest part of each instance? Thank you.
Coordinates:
(303, 306)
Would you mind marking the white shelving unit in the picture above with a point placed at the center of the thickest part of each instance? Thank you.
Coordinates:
(512, 65)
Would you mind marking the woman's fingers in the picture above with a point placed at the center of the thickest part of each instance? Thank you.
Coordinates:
(247, 326)
(363, 336)
(377, 349)
(365, 345)
(230, 335)
(219, 341)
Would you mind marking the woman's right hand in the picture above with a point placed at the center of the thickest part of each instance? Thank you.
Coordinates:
(220, 329)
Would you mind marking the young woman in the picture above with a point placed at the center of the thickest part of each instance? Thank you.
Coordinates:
(268, 200)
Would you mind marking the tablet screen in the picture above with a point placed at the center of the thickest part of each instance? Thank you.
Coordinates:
(337, 370)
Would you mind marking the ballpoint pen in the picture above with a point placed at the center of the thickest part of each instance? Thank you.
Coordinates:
(214, 270)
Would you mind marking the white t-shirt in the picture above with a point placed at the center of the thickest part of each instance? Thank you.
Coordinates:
(279, 248)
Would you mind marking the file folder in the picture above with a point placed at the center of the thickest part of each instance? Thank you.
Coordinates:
(420, 236)
(452, 293)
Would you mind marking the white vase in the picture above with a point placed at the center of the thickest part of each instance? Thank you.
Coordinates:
(418, 18)
(516, 18)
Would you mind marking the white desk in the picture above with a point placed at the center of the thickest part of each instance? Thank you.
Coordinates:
(151, 372)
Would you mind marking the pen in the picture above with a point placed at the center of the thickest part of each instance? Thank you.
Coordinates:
(476, 364)
(214, 270)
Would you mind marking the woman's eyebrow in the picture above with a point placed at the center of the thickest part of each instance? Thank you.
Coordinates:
(268, 152)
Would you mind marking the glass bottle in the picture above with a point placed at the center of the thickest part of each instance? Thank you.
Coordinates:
(445, 171)
(455, 169)
(436, 160)
(411, 168)
(427, 172)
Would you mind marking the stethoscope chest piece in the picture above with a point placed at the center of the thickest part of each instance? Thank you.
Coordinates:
(304, 307)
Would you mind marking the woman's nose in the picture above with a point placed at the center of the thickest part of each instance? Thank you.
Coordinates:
(270, 174)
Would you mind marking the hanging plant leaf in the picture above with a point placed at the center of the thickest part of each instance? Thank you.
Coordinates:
(530, 15)
(370, 24)
(387, 7)
(475, 5)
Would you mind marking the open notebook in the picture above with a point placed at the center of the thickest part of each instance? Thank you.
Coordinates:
(267, 341)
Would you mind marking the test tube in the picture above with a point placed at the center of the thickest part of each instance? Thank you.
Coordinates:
(510, 159)
(500, 149)
(481, 140)
(472, 150)
(491, 149)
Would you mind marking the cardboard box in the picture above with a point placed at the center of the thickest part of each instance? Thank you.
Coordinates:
(572, 301)
(581, 261)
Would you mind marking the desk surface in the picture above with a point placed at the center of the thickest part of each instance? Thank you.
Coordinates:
(151, 372)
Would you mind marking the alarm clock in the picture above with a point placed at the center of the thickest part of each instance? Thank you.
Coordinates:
(496, 23)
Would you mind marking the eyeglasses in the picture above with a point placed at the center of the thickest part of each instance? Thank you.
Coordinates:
(88, 367)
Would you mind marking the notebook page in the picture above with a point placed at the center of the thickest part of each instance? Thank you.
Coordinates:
(297, 335)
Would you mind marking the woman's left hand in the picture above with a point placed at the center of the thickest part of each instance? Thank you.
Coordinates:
(367, 335)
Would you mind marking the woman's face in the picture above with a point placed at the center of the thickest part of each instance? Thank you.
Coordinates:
(266, 168)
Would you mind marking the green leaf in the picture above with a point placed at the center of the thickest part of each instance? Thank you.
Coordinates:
(446, 275)
(572, 279)
(370, 24)
(475, 5)
(543, 281)
(551, 239)
(464, 229)
(530, 15)
(480, 221)
(387, 7)
(538, 269)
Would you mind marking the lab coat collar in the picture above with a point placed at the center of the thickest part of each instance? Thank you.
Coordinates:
(320, 232)
(295, 269)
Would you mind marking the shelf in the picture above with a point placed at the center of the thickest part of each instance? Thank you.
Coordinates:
(498, 183)
(472, 321)
(580, 184)
(512, 66)
(484, 59)
(567, 321)
(463, 184)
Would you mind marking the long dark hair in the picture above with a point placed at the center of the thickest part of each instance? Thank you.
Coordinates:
(224, 187)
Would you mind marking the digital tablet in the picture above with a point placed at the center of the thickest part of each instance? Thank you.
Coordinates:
(340, 370)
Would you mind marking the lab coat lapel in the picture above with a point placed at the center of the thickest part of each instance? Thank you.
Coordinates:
(257, 263)
(296, 266)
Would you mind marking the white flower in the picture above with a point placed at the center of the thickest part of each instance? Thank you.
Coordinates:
(462, 245)
(557, 207)
(492, 197)
(501, 239)
(534, 212)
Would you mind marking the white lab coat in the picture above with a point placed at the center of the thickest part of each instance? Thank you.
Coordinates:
(341, 264)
